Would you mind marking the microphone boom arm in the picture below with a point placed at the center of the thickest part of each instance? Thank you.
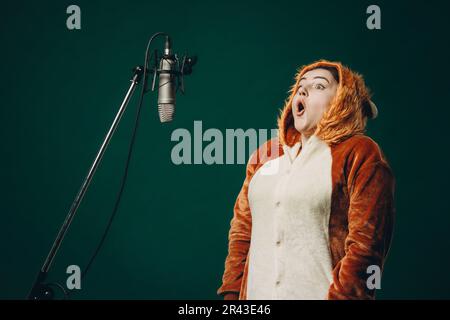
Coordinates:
(41, 290)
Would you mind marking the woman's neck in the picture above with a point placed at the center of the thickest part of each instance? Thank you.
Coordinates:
(304, 139)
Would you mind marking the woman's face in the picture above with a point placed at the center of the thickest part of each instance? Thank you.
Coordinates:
(316, 90)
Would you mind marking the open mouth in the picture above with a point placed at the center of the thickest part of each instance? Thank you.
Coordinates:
(300, 109)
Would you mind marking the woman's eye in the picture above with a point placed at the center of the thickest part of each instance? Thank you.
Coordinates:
(319, 86)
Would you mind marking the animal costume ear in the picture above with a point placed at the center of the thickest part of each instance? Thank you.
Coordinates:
(371, 109)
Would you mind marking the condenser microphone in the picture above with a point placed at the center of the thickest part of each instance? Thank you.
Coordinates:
(166, 84)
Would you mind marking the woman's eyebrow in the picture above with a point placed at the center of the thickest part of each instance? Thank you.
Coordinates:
(316, 77)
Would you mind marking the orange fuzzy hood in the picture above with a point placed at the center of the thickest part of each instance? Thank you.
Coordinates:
(347, 114)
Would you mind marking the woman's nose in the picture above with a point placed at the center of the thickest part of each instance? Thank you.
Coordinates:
(303, 92)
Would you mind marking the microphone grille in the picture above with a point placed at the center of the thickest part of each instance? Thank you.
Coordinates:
(166, 111)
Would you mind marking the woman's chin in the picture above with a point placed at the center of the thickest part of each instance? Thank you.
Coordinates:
(300, 125)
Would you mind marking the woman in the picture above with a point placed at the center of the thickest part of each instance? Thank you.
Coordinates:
(319, 226)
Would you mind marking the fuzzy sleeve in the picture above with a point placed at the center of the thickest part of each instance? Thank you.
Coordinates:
(238, 238)
(371, 213)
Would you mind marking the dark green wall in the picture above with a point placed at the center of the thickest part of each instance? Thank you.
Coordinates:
(60, 90)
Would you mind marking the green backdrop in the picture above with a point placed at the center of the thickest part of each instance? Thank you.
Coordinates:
(60, 90)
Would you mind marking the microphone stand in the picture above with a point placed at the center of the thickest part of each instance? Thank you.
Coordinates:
(41, 290)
